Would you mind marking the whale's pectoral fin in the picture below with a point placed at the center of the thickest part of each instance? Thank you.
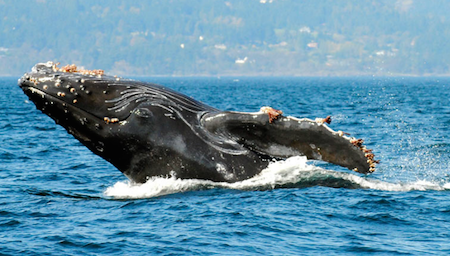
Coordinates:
(270, 133)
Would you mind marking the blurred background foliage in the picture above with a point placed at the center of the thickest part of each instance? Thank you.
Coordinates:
(216, 37)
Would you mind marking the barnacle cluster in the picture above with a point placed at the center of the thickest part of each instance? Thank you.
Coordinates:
(273, 113)
(367, 153)
(357, 143)
(111, 120)
(323, 120)
(74, 69)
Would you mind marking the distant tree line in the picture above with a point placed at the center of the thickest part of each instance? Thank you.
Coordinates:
(216, 37)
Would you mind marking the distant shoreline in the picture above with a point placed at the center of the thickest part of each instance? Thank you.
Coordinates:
(271, 76)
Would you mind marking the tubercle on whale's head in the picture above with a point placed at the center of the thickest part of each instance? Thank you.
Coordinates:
(72, 88)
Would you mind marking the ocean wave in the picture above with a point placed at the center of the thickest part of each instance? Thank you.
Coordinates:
(294, 172)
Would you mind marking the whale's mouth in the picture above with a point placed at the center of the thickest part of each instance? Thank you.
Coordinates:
(53, 105)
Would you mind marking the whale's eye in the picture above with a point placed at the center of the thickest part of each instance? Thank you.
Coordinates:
(143, 112)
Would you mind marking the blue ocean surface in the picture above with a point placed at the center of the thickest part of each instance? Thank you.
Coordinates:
(58, 198)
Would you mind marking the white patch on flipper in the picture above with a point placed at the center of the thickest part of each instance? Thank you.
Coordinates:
(211, 118)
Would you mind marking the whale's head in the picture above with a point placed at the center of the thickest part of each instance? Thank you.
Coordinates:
(118, 119)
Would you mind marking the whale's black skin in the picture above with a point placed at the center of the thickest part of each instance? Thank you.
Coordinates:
(148, 130)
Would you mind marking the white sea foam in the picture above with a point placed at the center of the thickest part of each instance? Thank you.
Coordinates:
(294, 171)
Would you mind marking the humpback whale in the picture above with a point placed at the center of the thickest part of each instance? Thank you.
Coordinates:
(148, 130)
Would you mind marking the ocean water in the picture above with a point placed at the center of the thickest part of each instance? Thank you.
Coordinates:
(58, 198)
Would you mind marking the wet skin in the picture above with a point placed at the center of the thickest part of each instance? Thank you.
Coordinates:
(148, 130)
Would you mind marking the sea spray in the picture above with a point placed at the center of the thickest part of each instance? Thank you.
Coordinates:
(292, 172)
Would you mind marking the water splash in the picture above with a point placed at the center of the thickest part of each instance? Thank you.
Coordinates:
(292, 172)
